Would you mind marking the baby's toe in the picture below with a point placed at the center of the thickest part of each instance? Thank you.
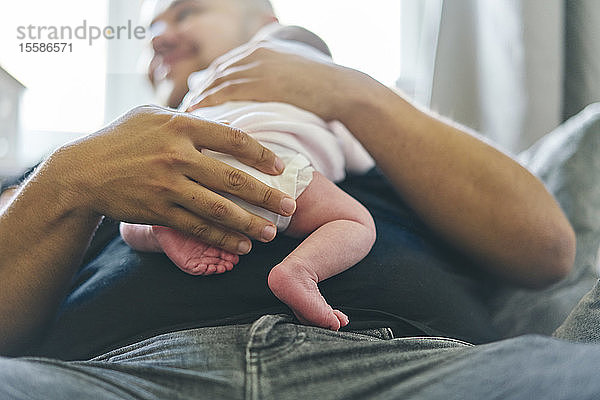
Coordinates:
(220, 268)
(342, 318)
(211, 269)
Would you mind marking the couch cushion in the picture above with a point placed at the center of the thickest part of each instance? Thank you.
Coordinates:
(568, 161)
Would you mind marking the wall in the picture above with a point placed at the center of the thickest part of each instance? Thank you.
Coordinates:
(10, 97)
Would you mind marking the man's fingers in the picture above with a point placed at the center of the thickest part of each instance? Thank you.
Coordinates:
(223, 90)
(225, 139)
(187, 222)
(217, 209)
(242, 68)
(228, 84)
(226, 90)
(221, 177)
(236, 76)
(205, 101)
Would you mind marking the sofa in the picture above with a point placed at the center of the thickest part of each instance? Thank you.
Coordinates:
(567, 160)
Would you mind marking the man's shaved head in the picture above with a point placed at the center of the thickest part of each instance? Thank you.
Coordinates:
(255, 7)
(258, 5)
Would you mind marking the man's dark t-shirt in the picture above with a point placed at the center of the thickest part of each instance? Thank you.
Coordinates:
(410, 282)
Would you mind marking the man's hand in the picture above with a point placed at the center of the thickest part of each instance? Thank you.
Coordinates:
(147, 167)
(266, 75)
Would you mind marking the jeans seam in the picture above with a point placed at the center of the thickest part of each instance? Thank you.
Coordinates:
(255, 355)
(436, 339)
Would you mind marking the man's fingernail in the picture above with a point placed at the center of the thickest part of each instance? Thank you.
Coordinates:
(279, 165)
(244, 247)
(269, 233)
(288, 205)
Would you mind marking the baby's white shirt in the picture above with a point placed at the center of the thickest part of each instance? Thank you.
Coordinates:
(330, 147)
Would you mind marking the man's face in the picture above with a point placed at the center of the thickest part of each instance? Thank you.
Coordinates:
(189, 35)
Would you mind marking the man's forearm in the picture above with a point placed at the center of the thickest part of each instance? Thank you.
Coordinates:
(476, 197)
(43, 236)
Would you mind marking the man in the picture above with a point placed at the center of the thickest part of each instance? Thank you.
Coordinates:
(189, 35)
(418, 280)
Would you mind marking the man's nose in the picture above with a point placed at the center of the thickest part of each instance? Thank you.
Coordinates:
(164, 37)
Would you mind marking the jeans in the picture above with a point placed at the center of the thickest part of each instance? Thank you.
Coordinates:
(274, 358)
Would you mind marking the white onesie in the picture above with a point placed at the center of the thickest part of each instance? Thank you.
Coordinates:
(301, 139)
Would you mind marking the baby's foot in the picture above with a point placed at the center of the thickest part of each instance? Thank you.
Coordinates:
(297, 287)
(192, 255)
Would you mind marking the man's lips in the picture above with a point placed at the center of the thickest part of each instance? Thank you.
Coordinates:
(175, 55)
(169, 65)
(175, 61)
(170, 59)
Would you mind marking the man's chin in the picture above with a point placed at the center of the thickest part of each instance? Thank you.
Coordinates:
(168, 93)
(175, 99)
(178, 92)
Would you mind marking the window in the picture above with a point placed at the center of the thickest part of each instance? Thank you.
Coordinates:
(420, 27)
(361, 34)
(65, 90)
(74, 93)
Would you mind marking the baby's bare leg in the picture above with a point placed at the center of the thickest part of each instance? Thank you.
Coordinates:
(190, 254)
(341, 234)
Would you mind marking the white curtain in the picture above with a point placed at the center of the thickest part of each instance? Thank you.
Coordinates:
(127, 84)
(510, 69)
(582, 55)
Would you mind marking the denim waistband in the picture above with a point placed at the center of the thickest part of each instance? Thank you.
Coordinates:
(384, 333)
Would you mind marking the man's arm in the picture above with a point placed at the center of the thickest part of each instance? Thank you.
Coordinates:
(478, 199)
(43, 237)
(474, 196)
(144, 168)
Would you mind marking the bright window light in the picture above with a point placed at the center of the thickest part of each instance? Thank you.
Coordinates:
(364, 35)
(65, 90)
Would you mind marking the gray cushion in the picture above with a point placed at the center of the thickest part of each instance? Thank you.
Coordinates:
(568, 162)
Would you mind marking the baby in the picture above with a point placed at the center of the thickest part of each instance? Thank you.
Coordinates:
(338, 230)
